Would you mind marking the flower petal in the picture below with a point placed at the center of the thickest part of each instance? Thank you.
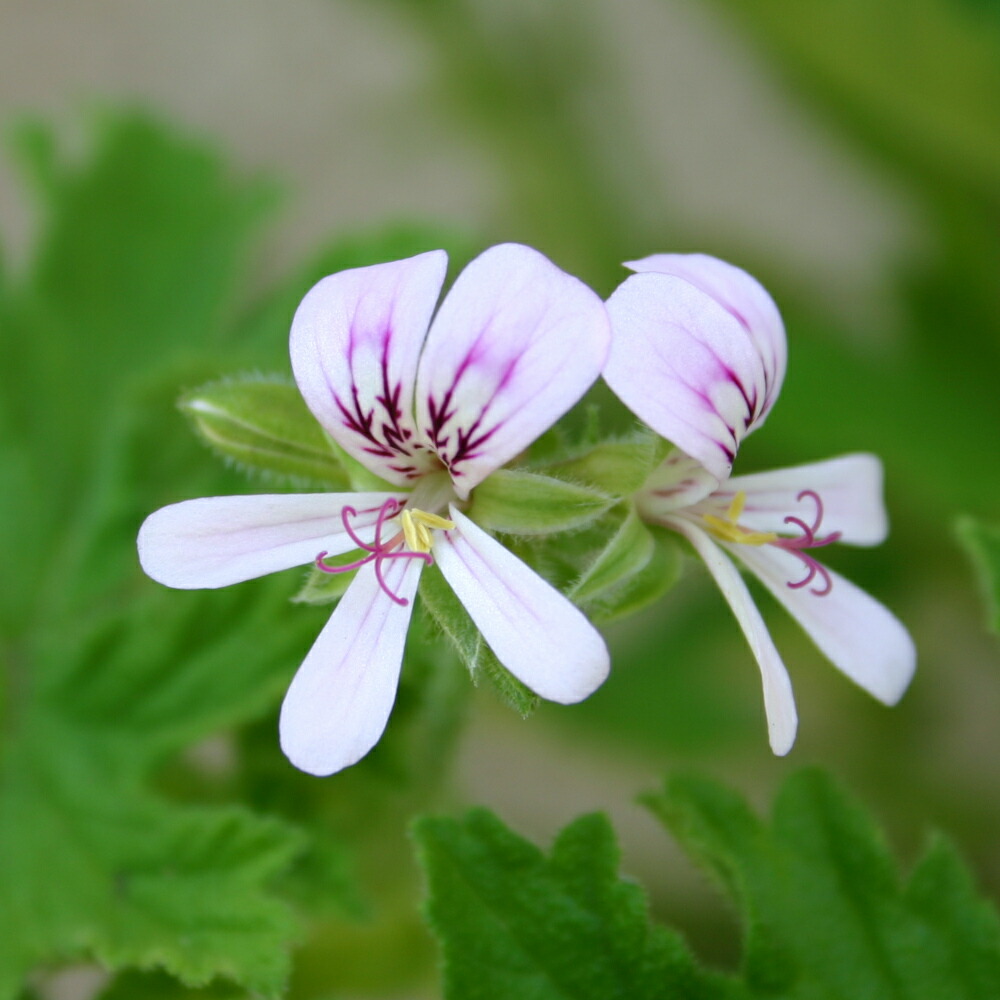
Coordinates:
(536, 633)
(355, 341)
(742, 295)
(779, 702)
(678, 481)
(339, 701)
(514, 345)
(861, 637)
(686, 366)
(850, 488)
(216, 541)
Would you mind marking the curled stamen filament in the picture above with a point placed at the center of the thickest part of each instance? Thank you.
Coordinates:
(378, 551)
(808, 540)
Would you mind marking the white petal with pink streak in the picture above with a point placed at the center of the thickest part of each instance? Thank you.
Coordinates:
(216, 541)
(339, 701)
(742, 295)
(861, 637)
(686, 366)
(779, 702)
(535, 631)
(355, 343)
(514, 345)
(850, 488)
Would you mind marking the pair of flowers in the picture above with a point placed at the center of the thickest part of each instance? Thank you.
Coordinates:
(434, 402)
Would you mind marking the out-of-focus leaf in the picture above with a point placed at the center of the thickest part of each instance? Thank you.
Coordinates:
(264, 425)
(138, 259)
(106, 674)
(516, 925)
(825, 912)
(920, 79)
(982, 543)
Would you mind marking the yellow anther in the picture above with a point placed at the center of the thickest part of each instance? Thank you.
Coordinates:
(417, 525)
(736, 507)
(729, 530)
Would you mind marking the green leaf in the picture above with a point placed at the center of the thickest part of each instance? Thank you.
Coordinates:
(263, 424)
(105, 675)
(450, 616)
(826, 914)
(982, 543)
(516, 925)
(619, 468)
(526, 503)
(139, 256)
(93, 867)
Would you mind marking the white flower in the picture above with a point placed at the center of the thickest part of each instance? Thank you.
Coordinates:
(514, 345)
(698, 352)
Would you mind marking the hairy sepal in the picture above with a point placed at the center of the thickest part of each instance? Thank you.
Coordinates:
(263, 424)
(634, 568)
(618, 468)
(526, 503)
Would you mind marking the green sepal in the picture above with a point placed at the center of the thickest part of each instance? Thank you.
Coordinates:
(447, 611)
(637, 566)
(619, 468)
(526, 503)
(324, 588)
(627, 552)
(645, 587)
(263, 424)
(359, 478)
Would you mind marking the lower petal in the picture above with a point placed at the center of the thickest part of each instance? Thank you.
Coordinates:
(216, 541)
(339, 701)
(779, 702)
(861, 637)
(538, 634)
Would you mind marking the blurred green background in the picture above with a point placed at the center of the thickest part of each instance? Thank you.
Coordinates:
(845, 152)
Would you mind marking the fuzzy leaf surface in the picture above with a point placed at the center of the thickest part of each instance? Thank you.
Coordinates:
(825, 911)
(515, 924)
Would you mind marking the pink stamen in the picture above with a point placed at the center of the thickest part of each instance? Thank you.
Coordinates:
(378, 551)
(808, 540)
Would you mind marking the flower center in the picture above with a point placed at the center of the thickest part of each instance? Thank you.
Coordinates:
(413, 540)
(728, 529)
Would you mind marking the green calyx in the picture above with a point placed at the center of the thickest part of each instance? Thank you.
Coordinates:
(526, 503)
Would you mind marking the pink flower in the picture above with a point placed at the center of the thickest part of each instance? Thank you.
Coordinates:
(432, 408)
(698, 353)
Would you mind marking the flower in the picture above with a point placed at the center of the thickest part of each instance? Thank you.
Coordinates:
(433, 412)
(698, 353)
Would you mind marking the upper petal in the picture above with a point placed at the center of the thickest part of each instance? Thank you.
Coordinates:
(779, 702)
(339, 700)
(536, 633)
(216, 541)
(355, 342)
(686, 366)
(849, 488)
(514, 345)
(861, 637)
(742, 295)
